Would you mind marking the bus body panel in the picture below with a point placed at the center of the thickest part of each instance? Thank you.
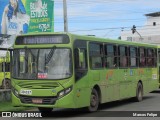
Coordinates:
(113, 83)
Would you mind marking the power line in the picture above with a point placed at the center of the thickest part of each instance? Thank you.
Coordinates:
(111, 28)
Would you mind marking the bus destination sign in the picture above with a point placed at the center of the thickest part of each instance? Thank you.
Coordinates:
(45, 39)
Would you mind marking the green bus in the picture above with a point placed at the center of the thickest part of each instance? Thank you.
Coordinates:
(63, 70)
(6, 43)
(5, 82)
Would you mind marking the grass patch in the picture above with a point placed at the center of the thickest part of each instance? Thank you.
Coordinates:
(7, 106)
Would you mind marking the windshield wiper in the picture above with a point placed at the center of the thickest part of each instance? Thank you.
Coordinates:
(49, 56)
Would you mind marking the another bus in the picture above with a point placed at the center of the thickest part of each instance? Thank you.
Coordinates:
(5, 71)
(6, 43)
(62, 70)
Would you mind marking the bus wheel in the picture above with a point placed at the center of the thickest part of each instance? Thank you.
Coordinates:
(94, 101)
(139, 92)
(6, 84)
(45, 110)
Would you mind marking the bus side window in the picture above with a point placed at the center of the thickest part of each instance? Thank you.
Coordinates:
(110, 56)
(96, 55)
(142, 54)
(80, 59)
(150, 57)
(123, 53)
(133, 57)
(1, 67)
(7, 67)
(155, 58)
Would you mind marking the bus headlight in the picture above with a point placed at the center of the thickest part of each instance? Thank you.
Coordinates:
(64, 92)
(15, 92)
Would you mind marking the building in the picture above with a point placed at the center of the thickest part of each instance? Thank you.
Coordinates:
(149, 33)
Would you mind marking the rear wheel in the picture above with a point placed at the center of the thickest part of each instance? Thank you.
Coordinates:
(139, 92)
(45, 110)
(94, 101)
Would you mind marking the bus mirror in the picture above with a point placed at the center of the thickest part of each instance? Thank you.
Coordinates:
(81, 58)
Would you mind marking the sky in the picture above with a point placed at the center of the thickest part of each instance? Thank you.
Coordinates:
(103, 18)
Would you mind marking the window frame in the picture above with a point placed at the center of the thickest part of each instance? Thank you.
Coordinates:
(114, 56)
(126, 56)
(136, 56)
(80, 72)
(145, 65)
(101, 55)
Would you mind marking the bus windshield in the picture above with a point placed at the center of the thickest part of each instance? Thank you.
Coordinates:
(53, 63)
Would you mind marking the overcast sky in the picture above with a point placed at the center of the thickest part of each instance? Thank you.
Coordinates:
(103, 18)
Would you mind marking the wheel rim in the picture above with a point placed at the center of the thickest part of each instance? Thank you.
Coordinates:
(93, 100)
(140, 93)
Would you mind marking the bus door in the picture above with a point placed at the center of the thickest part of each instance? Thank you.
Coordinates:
(82, 90)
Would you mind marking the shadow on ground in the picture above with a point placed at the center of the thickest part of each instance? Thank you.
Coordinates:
(102, 112)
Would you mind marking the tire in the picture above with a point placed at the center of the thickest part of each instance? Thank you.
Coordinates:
(7, 84)
(139, 93)
(45, 110)
(94, 101)
(2, 98)
(7, 96)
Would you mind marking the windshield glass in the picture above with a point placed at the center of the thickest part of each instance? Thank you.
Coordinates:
(53, 63)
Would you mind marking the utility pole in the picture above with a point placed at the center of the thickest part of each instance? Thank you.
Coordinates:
(65, 16)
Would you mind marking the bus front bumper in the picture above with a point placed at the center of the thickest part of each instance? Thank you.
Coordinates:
(64, 102)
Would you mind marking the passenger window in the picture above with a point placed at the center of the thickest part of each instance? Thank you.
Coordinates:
(123, 53)
(111, 56)
(133, 57)
(96, 55)
(150, 57)
(142, 59)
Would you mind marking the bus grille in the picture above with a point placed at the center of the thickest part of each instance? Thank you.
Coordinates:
(45, 100)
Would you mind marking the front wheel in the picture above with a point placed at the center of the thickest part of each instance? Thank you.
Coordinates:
(139, 92)
(94, 101)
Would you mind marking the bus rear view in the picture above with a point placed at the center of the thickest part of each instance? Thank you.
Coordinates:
(42, 72)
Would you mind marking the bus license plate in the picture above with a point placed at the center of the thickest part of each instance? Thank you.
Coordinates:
(37, 101)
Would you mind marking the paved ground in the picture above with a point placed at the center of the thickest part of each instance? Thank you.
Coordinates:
(118, 110)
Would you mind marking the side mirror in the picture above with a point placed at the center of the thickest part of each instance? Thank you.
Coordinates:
(81, 57)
